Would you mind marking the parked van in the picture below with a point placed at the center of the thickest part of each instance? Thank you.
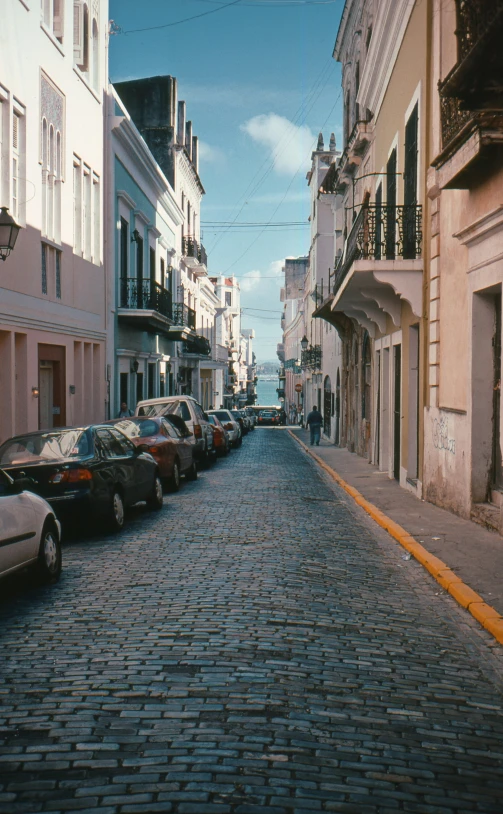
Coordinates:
(194, 416)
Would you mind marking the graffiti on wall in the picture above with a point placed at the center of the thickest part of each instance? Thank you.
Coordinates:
(441, 438)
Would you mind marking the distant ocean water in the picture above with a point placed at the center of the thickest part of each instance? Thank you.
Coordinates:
(266, 392)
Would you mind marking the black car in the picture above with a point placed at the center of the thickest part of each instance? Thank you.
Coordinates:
(92, 471)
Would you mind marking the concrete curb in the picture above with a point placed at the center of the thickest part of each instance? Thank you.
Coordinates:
(488, 617)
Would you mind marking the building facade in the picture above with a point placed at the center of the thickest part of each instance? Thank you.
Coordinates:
(53, 293)
(463, 411)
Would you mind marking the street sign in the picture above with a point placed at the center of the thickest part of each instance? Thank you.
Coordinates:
(298, 388)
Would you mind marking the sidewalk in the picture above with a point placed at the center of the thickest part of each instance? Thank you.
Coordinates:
(474, 554)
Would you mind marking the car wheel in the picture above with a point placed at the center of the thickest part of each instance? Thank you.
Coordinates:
(116, 512)
(49, 555)
(174, 481)
(154, 501)
(191, 473)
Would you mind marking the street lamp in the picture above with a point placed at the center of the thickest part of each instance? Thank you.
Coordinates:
(304, 342)
(9, 231)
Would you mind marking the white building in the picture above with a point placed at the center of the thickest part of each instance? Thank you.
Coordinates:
(53, 79)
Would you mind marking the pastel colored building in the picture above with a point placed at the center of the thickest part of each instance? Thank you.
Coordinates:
(53, 292)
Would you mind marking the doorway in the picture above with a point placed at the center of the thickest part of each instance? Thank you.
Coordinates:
(327, 407)
(397, 403)
(337, 409)
(496, 462)
(51, 386)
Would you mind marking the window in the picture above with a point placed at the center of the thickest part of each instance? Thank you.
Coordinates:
(77, 205)
(170, 429)
(58, 255)
(124, 243)
(110, 443)
(15, 165)
(125, 445)
(78, 33)
(53, 17)
(96, 219)
(44, 268)
(87, 212)
(228, 298)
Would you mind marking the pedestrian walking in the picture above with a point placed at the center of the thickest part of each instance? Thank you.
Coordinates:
(314, 421)
(124, 412)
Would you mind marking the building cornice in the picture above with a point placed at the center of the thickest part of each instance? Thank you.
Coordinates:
(389, 29)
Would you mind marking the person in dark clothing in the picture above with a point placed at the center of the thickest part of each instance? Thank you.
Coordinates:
(124, 412)
(314, 421)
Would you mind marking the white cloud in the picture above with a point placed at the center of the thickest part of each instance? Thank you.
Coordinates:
(209, 154)
(250, 280)
(289, 145)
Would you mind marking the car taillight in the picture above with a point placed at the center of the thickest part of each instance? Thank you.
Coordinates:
(71, 476)
(198, 433)
(153, 450)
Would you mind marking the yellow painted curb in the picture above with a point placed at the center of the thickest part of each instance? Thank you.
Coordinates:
(488, 617)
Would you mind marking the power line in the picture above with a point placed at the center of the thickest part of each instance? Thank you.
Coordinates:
(185, 19)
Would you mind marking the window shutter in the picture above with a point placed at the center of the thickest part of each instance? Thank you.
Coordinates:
(57, 23)
(15, 132)
(78, 32)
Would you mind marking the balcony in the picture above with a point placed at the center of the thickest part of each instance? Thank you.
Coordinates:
(381, 265)
(471, 140)
(183, 315)
(382, 232)
(194, 254)
(196, 346)
(477, 77)
(145, 305)
(356, 146)
(311, 358)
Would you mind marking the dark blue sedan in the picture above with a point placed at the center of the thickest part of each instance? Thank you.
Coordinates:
(94, 471)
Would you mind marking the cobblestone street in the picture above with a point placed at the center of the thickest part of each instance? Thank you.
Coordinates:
(257, 647)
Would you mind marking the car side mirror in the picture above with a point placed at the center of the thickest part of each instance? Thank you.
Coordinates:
(141, 448)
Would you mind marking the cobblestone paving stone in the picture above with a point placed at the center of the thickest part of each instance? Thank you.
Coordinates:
(256, 648)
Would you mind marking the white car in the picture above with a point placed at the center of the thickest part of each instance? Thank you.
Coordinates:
(230, 424)
(30, 535)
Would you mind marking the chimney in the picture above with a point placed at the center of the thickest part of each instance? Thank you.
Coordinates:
(182, 114)
(332, 142)
(188, 139)
(320, 143)
(195, 153)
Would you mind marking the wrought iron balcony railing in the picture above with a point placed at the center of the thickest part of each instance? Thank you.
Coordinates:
(474, 19)
(191, 248)
(183, 315)
(458, 124)
(311, 357)
(145, 295)
(381, 232)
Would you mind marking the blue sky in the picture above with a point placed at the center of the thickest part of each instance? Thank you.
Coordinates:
(260, 83)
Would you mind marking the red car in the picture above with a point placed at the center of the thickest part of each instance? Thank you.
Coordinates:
(221, 438)
(165, 438)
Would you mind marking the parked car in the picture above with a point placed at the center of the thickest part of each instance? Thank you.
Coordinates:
(93, 470)
(246, 419)
(268, 418)
(230, 424)
(30, 535)
(220, 436)
(251, 415)
(244, 425)
(194, 416)
(169, 445)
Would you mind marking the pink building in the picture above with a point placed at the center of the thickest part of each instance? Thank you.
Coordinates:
(53, 77)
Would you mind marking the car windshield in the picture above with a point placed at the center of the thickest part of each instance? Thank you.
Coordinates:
(222, 415)
(56, 445)
(137, 428)
(235, 413)
(212, 420)
(161, 408)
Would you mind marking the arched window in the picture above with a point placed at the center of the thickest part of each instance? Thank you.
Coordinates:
(96, 56)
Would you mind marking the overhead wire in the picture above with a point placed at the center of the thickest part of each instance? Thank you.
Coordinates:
(286, 193)
(179, 22)
(270, 162)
